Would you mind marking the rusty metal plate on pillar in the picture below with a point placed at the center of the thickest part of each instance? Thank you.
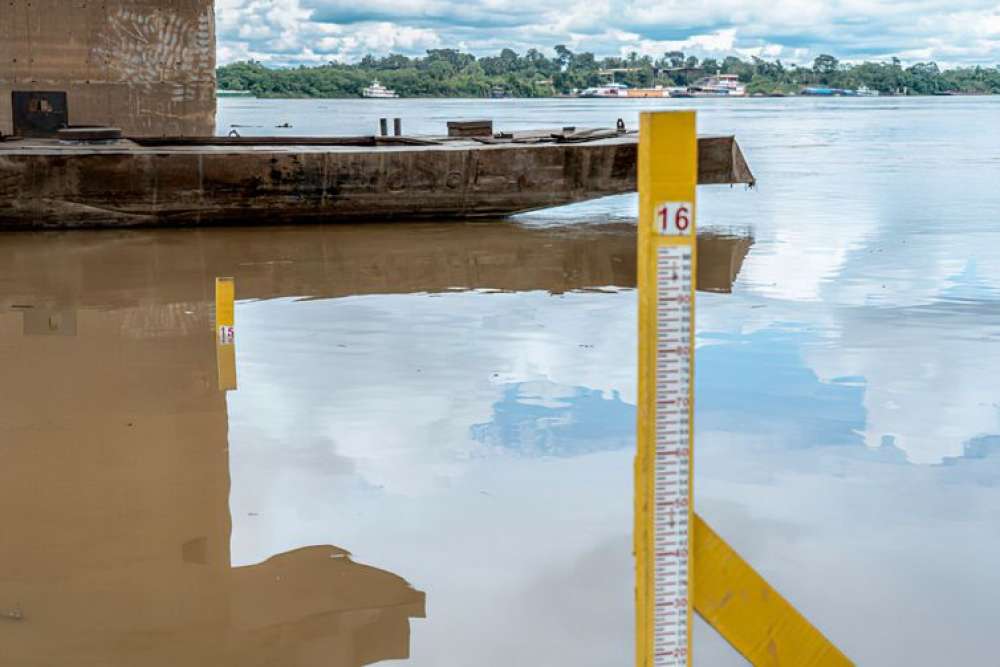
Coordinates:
(89, 134)
(39, 114)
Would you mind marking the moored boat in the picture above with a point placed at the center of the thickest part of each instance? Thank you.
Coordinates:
(719, 85)
(378, 91)
(234, 93)
(824, 91)
(607, 90)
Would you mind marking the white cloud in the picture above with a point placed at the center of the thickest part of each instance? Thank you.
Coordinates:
(304, 31)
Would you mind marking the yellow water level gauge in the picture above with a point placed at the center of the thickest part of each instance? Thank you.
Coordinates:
(668, 177)
(225, 332)
(681, 564)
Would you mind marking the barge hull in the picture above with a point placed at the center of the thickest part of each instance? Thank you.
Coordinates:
(47, 184)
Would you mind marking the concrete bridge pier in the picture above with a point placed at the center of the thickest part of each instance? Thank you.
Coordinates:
(147, 67)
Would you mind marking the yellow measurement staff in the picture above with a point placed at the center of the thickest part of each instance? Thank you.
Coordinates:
(225, 332)
(681, 563)
(668, 177)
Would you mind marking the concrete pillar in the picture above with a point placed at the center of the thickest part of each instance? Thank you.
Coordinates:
(146, 67)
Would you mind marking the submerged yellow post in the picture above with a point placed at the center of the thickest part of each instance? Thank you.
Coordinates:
(667, 179)
(225, 330)
(753, 617)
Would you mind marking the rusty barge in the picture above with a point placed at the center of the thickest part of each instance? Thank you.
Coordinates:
(173, 182)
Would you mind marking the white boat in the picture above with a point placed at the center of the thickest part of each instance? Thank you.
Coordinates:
(234, 93)
(865, 91)
(607, 90)
(720, 85)
(377, 90)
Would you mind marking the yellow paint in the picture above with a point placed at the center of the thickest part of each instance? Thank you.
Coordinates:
(225, 302)
(749, 613)
(667, 172)
(226, 356)
(225, 342)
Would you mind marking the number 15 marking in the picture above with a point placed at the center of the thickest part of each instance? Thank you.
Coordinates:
(673, 218)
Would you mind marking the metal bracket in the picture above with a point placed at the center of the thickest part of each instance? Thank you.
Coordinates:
(39, 114)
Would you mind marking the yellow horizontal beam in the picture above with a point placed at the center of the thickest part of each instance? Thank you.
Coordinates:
(753, 617)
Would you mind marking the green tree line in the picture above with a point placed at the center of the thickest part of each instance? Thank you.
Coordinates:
(450, 73)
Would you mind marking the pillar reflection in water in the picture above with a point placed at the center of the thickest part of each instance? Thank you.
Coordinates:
(114, 490)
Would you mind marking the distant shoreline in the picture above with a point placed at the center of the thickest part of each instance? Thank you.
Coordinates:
(451, 74)
(578, 97)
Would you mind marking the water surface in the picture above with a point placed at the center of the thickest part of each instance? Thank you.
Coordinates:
(429, 452)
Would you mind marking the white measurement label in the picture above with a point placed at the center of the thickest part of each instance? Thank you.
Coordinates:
(673, 218)
(672, 467)
(227, 335)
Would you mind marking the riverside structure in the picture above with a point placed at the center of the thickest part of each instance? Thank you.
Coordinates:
(112, 108)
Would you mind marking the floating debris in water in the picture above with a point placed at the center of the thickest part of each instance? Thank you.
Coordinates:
(14, 614)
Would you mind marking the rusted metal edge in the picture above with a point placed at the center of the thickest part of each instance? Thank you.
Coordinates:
(89, 134)
(721, 162)
(578, 136)
(364, 140)
(720, 159)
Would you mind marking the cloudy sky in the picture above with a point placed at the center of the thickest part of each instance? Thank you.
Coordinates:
(309, 31)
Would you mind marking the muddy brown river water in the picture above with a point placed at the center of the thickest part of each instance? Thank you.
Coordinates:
(428, 456)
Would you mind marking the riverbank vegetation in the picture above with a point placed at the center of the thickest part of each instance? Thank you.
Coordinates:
(450, 73)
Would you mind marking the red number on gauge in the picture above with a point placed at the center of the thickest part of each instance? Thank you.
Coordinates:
(673, 218)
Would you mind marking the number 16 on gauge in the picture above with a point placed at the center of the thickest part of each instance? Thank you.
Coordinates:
(673, 218)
